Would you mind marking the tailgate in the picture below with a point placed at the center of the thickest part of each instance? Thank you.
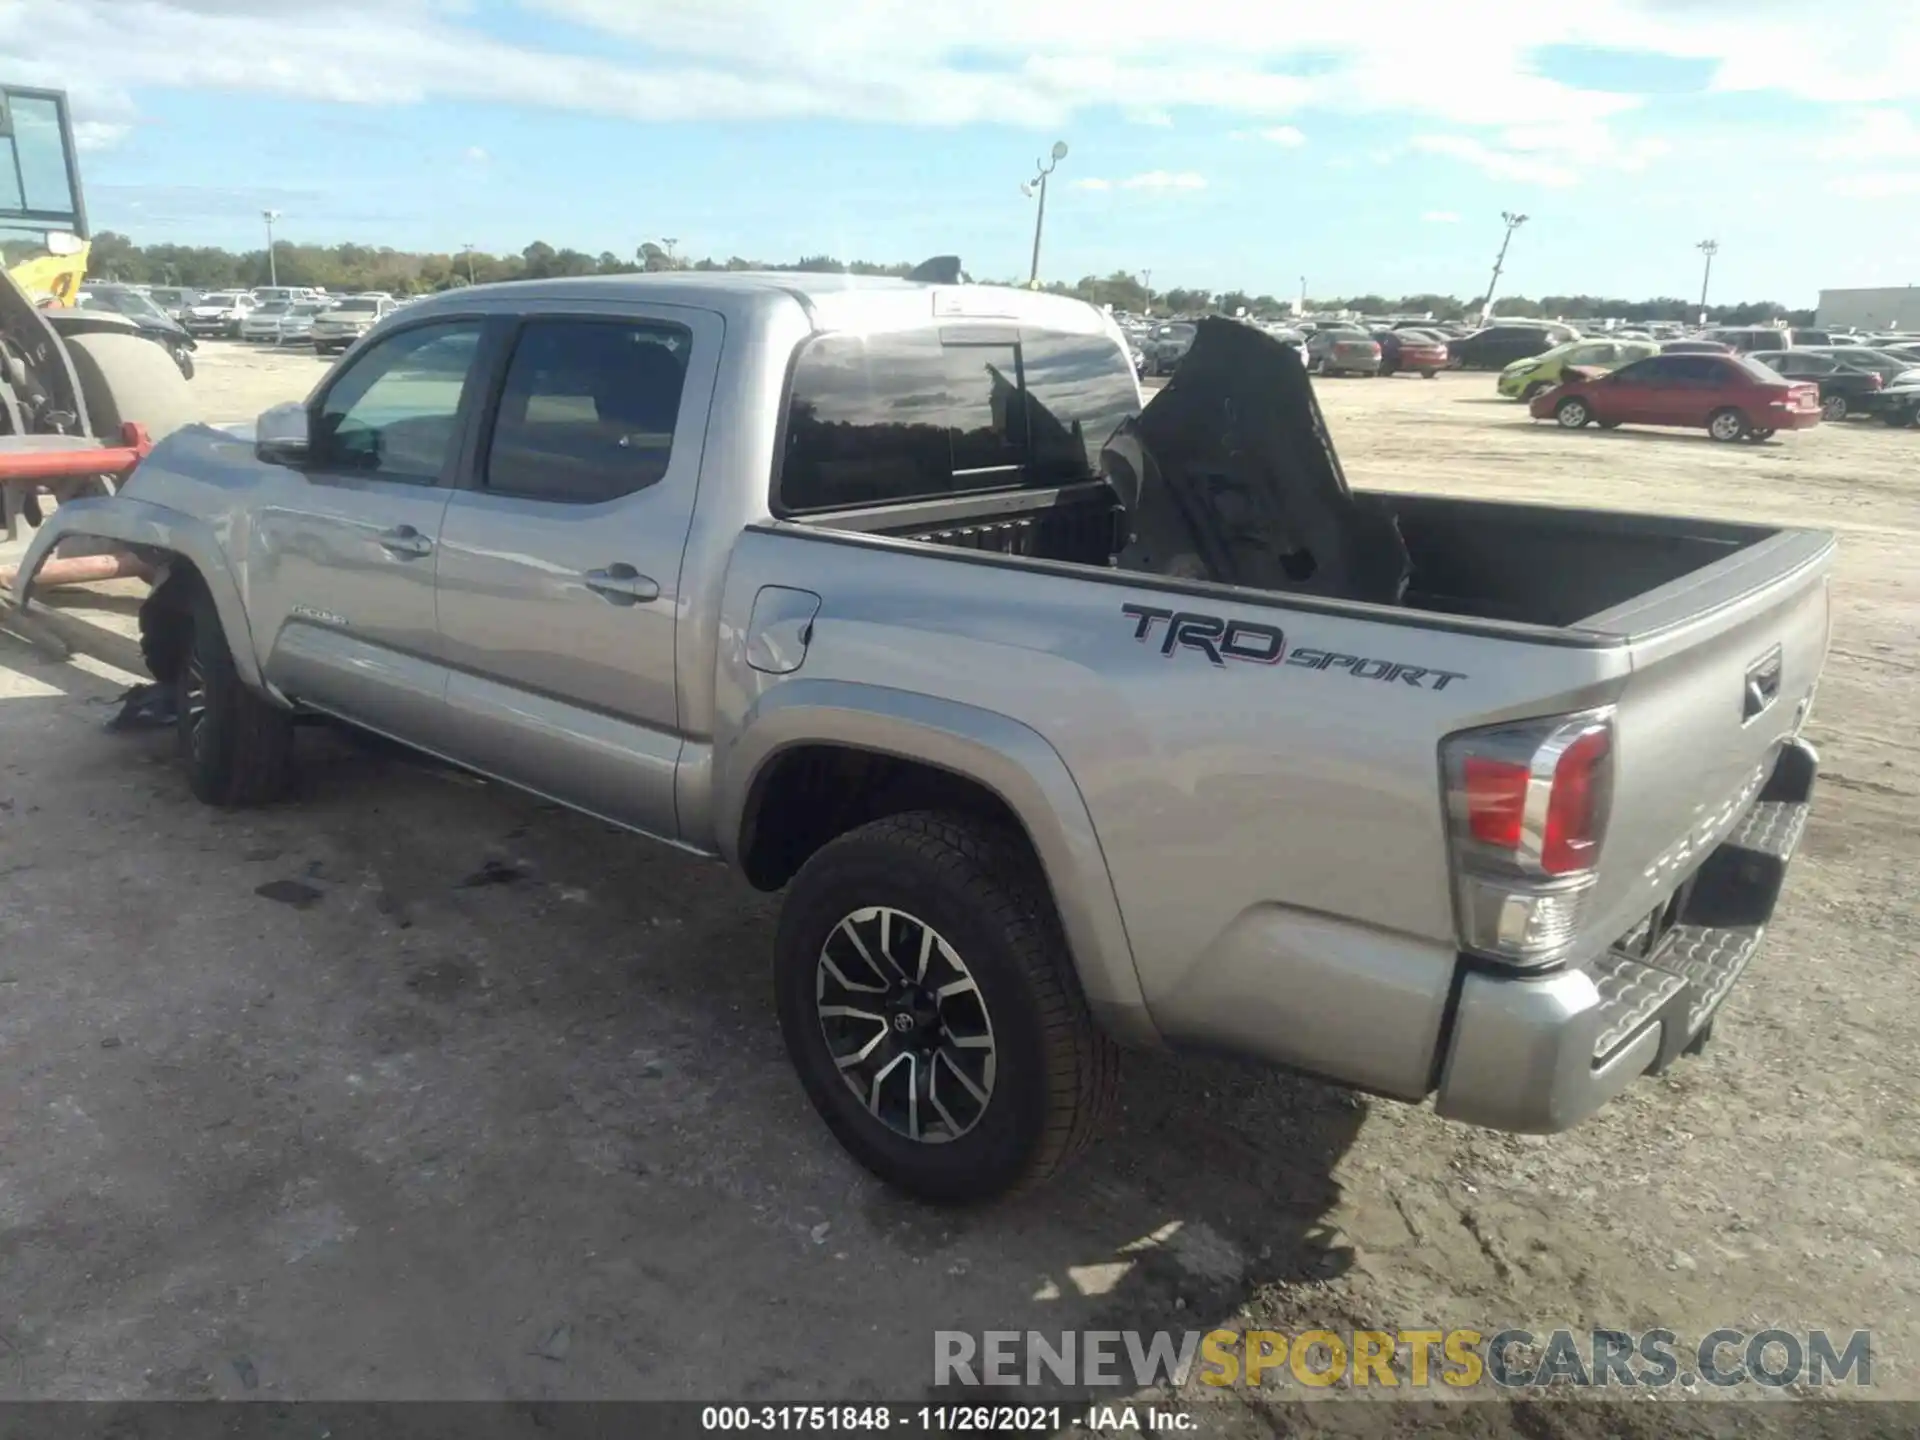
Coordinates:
(1724, 663)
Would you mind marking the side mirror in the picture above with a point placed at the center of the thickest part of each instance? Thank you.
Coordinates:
(280, 435)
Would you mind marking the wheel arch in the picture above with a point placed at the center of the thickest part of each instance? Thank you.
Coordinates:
(817, 758)
(170, 537)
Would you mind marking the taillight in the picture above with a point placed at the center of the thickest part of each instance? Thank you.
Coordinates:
(1875, 380)
(1527, 807)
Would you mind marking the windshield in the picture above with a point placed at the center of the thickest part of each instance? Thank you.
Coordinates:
(1759, 369)
(357, 307)
(273, 307)
(307, 309)
(123, 302)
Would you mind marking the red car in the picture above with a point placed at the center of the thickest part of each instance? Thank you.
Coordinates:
(1410, 350)
(1731, 397)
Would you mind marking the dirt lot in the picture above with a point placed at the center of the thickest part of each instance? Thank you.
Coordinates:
(416, 1134)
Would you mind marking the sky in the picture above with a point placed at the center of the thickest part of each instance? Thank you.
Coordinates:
(1363, 146)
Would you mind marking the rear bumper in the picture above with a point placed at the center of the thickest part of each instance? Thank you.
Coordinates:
(1792, 419)
(1538, 1055)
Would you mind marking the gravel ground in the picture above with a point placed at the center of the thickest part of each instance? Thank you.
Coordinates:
(492, 1102)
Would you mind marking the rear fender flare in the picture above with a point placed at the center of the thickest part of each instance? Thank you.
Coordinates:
(150, 527)
(1009, 758)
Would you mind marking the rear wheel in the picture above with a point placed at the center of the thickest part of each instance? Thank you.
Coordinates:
(1756, 436)
(1534, 391)
(1609, 424)
(1834, 407)
(1428, 374)
(929, 1003)
(1572, 413)
(1728, 426)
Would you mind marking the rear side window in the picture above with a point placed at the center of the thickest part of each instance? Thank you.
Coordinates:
(881, 419)
(588, 410)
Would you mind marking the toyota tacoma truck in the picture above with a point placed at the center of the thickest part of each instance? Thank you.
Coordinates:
(1066, 722)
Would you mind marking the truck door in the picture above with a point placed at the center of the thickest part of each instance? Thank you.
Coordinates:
(342, 550)
(560, 564)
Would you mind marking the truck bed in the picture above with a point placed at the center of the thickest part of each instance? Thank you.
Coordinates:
(1534, 565)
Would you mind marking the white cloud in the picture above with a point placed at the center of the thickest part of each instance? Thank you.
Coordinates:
(1440, 217)
(1500, 164)
(1165, 180)
(1092, 182)
(1285, 136)
(1876, 184)
(1467, 67)
(477, 156)
(99, 134)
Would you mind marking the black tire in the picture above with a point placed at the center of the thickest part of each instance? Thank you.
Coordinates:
(1534, 391)
(1572, 413)
(1608, 424)
(978, 888)
(1834, 409)
(128, 377)
(1757, 436)
(1728, 426)
(1428, 374)
(237, 746)
(1386, 372)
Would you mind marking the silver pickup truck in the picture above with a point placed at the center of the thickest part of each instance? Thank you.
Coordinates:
(1063, 720)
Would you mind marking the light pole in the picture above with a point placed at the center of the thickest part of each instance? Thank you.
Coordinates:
(468, 247)
(1146, 284)
(1039, 220)
(1301, 309)
(669, 241)
(1708, 248)
(1514, 222)
(273, 268)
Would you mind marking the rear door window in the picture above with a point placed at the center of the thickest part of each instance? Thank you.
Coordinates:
(875, 420)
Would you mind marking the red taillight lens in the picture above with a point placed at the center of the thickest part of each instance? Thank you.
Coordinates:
(1496, 792)
(1574, 806)
(1527, 809)
(1877, 381)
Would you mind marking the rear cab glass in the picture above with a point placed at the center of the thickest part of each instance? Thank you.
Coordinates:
(925, 414)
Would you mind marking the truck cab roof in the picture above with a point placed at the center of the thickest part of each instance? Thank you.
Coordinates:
(832, 302)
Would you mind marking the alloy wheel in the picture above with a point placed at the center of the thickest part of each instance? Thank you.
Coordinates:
(906, 1024)
(195, 704)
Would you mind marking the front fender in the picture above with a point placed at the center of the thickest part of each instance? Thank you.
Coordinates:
(141, 523)
(1012, 760)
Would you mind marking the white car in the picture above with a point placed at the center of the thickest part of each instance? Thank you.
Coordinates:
(219, 313)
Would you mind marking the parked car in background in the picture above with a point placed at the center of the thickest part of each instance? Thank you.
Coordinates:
(1844, 389)
(144, 317)
(174, 300)
(1899, 402)
(263, 321)
(1524, 379)
(1887, 365)
(340, 324)
(219, 313)
(1695, 347)
(1731, 397)
(1343, 352)
(1498, 346)
(1420, 350)
(1748, 339)
(1167, 345)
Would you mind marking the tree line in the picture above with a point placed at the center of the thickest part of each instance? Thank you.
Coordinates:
(351, 267)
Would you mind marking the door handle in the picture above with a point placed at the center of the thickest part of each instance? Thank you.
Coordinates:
(405, 542)
(621, 584)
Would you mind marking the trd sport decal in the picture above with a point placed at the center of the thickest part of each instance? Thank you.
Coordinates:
(1221, 640)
